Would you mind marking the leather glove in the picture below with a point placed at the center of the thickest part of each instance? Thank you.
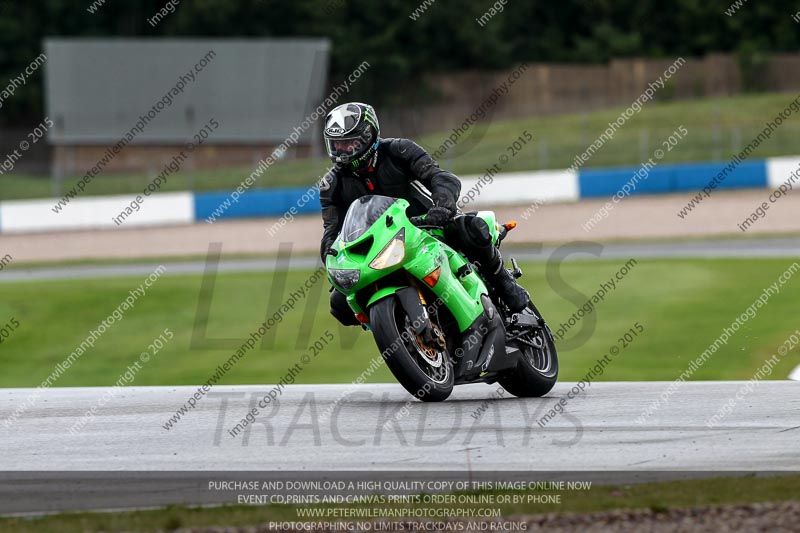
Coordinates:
(438, 216)
(327, 249)
(441, 199)
(443, 210)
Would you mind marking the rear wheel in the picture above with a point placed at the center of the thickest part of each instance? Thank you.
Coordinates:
(537, 370)
(423, 368)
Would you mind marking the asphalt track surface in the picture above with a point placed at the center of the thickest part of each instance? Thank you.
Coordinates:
(744, 248)
(380, 427)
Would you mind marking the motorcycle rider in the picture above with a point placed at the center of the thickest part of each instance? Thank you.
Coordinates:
(366, 164)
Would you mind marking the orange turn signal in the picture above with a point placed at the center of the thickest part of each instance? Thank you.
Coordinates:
(432, 278)
(510, 225)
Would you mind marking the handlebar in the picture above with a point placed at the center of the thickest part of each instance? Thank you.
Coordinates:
(420, 223)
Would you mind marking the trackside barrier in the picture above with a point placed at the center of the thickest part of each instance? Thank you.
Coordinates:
(510, 188)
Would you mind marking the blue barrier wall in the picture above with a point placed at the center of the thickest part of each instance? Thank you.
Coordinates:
(671, 178)
(254, 203)
(592, 183)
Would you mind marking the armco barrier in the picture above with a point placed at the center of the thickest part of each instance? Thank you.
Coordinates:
(671, 178)
(515, 188)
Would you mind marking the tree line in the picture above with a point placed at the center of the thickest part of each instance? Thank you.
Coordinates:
(448, 35)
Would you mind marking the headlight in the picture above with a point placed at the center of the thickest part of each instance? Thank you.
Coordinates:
(346, 279)
(392, 254)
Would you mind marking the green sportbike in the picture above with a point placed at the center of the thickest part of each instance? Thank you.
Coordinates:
(435, 320)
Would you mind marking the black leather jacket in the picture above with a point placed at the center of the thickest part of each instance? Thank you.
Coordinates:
(400, 169)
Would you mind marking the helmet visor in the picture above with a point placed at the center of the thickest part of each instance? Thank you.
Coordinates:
(346, 147)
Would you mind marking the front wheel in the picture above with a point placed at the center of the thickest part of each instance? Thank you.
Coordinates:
(424, 369)
(537, 370)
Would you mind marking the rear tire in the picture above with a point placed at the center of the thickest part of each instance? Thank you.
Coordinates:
(537, 370)
(405, 353)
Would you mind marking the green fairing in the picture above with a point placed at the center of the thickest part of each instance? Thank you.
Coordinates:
(423, 254)
(491, 221)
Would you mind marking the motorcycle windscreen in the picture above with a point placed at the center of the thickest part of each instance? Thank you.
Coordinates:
(362, 214)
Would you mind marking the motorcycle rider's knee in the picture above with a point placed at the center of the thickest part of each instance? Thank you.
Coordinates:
(478, 231)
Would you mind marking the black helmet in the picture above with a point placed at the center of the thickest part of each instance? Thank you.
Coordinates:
(352, 133)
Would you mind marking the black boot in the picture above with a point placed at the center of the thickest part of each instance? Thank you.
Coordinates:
(515, 297)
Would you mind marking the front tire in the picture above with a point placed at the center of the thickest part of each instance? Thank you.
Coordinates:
(425, 371)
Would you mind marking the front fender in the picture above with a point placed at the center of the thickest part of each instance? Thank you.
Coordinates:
(383, 293)
(409, 299)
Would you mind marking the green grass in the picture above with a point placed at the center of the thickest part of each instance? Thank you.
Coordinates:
(299, 173)
(682, 304)
(655, 496)
(717, 127)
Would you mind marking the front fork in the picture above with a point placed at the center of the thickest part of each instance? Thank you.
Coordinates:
(414, 304)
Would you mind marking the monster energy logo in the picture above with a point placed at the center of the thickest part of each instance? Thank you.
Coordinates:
(370, 117)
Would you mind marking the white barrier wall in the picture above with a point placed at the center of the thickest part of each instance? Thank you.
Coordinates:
(780, 169)
(96, 212)
(515, 188)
